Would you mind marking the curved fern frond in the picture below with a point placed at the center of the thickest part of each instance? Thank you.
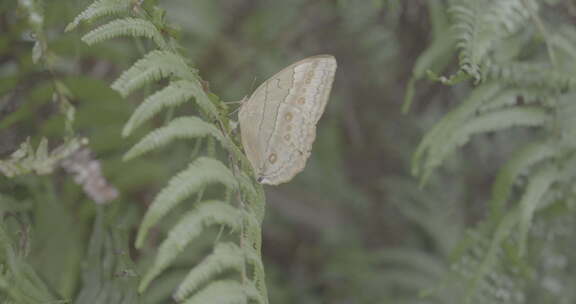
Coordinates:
(479, 25)
(539, 184)
(200, 173)
(482, 94)
(531, 75)
(527, 80)
(100, 8)
(175, 94)
(190, 226)
(510, 97)
(226, 256)
(221, 292)
(528, 116)
(131, 27)
(489, 257)
(520, 162)
(435, 57)
(241, 206)
(154, 66)
(182, 127)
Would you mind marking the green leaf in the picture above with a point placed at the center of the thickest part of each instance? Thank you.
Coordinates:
(154, 66)
(131, 27)
(99, 9)
(183, 127)
(190, 226)
(200, 173)
(176, 93)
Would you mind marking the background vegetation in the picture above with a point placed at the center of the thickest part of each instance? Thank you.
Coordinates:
(443, 170)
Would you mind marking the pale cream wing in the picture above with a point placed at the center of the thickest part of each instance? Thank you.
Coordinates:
(255, 118)
(278, 122)
(249, 117)
(295, 123)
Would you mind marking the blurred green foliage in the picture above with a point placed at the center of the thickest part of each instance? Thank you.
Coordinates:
(467, 198)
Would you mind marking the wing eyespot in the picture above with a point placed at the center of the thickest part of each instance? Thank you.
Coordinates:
(272, 158)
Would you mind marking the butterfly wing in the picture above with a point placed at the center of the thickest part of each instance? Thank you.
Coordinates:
(278, 122)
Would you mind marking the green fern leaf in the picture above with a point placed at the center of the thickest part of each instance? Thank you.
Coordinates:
(190, 226)
(436, 56)
(183, 127)
(472, 48)
(226, 256)
(200, 173)
(479, 25)
(99, 9)
(532, 74)
(174, 94)
(510, 96)
(520, 162)
(154, 66)
(131, 27)
(490, 257)
(479, 96)
(221, 292)
(539, 184)
(489, 122)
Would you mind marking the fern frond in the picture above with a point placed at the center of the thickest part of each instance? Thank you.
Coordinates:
(131, 27)
(183, 127)
(244, 219)
(488, 258)
(479, 96)
(200, 173)
(190, 226)
(221, 292)
(532, 75)
(99, 9)
(479, 25)
(528, 116)
(174, 94)
(509, 97)
(436, 56)
(539, 184)
(226, 256)
(563, 41)
(484, 100)
(154, 66)
(520, 162)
